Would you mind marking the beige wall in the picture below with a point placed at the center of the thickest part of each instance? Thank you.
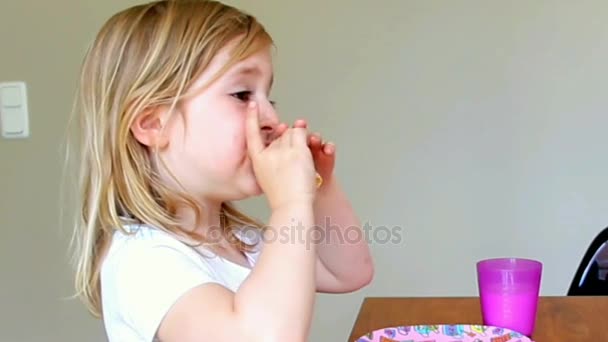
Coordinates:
(477, 126)
(42, 44)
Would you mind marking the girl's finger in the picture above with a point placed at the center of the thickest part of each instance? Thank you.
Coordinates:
(329, 148)
(300, 123)
(298, 137)
(280, 129)
(316, 140)
(254, 140)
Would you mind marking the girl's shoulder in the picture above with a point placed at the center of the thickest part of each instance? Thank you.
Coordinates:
(143, 236)
(143, 274)
(142, 241)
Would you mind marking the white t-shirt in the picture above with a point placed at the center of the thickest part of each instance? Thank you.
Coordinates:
(144, 274)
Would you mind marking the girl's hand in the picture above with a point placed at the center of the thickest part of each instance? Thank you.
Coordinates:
(285, 169)
(323, 153)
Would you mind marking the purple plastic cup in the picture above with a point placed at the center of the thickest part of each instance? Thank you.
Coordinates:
(508, 291)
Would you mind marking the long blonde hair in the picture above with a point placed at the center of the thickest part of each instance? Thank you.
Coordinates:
(145, 56)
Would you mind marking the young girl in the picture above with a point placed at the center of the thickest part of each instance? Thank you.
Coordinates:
(176, 123)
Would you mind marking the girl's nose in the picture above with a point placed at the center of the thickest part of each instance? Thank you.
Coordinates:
(269, 121)
(268, 114)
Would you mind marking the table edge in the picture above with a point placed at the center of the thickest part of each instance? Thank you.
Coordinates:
(368, 299)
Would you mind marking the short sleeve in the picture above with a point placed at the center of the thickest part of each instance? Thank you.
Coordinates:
(251, 236)
(150, 278)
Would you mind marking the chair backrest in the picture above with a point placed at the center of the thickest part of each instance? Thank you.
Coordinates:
(591, 276)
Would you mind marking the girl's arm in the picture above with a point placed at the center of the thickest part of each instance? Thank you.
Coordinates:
(275, 303)
(344, 261)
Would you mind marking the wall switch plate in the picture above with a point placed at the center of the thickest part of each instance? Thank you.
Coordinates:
(14, 116)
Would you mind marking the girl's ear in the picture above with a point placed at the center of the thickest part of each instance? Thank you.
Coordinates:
(149, 129)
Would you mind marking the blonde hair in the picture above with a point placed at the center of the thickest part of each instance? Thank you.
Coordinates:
(145, 56)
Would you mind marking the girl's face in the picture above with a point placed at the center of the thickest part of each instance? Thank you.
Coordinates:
(207, 149)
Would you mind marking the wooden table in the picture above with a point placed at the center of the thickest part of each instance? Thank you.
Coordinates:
(576, 319)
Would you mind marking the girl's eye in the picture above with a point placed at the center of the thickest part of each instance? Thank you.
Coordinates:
(243, 95)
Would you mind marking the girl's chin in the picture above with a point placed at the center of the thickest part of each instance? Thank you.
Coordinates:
(252, 187)
(247, 182)
(257, 190)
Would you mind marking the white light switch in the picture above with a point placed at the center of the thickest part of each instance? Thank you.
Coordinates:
(14, 118)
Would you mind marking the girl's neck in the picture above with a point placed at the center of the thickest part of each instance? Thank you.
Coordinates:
(209, 224)
(210, 228)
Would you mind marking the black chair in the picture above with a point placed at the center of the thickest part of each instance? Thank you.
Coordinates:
(591, 276)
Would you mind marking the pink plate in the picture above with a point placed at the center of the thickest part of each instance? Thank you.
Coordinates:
(444, 333)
